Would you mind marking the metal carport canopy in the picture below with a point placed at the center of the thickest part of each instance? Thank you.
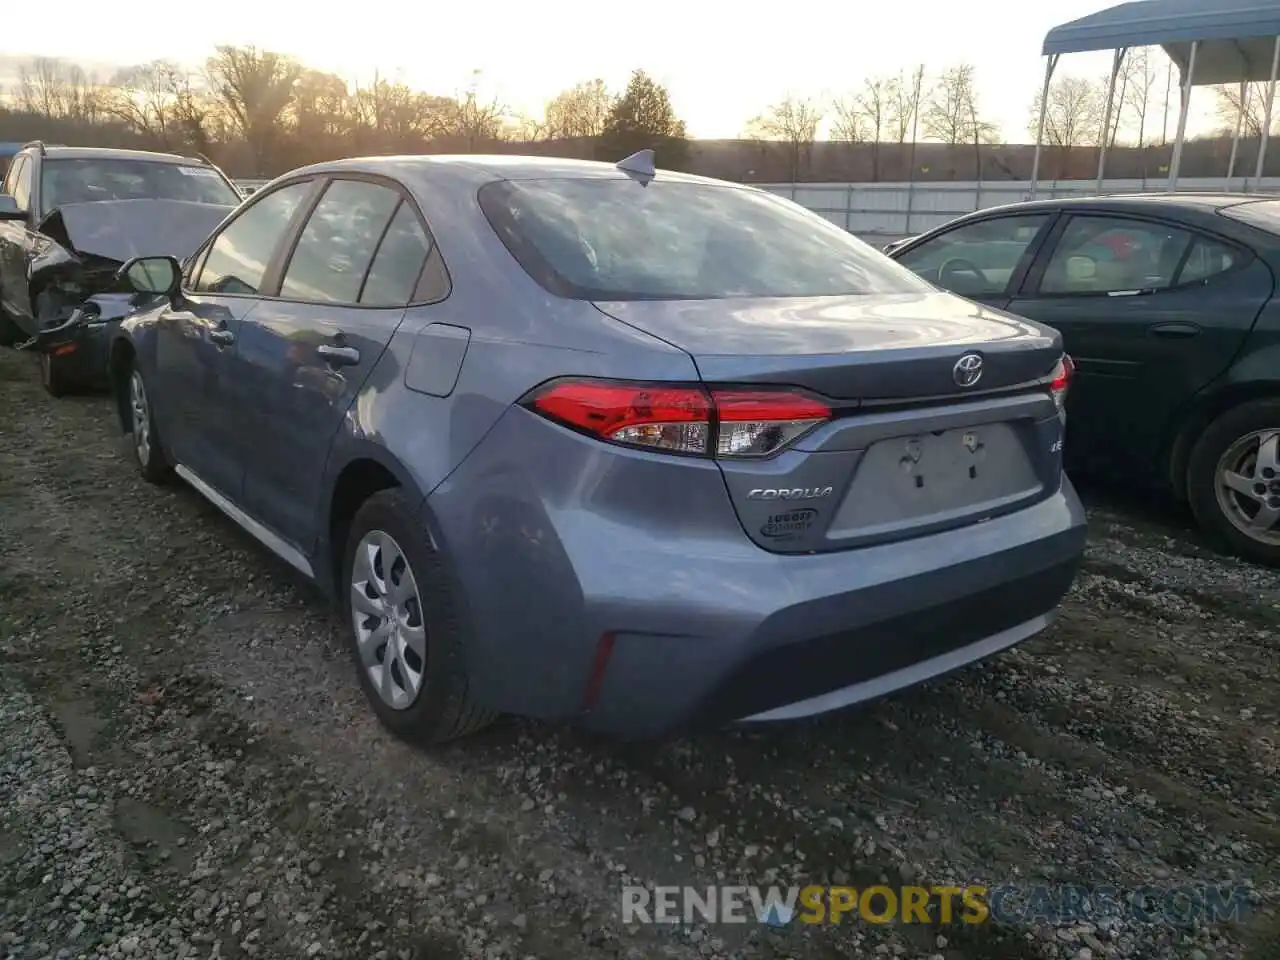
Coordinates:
(1213, 42)
(1235, 36)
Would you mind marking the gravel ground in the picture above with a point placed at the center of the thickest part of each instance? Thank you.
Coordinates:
(187, 768)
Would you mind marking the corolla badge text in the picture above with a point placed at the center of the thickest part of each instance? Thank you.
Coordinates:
(790, 493)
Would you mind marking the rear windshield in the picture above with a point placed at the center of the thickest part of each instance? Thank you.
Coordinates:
(614, 239)
(1264, 214)
(84, 180)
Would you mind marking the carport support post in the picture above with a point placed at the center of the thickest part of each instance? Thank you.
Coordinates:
(1266, 122)
(1117, 61)
(1235, 141)
(1187, 80)
(1049, 65)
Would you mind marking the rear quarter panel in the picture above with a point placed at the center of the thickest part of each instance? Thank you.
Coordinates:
(517, 336)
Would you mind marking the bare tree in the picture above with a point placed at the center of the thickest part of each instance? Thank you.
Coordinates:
(321, 106)
(476, 120)
(868, 114)
(579, 111)
(528, 129)
(396, 117)
(49, 87)
(902, 95)
(1228, 103)
(792, 122)
(1141, 73)
(145, 99)
(951, 112)
(1072, 118)
(255, 88)
(848, 126)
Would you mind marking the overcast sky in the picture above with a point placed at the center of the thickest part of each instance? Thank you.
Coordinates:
(722, 63)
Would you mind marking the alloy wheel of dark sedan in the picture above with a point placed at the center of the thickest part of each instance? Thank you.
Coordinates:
(1248, 485)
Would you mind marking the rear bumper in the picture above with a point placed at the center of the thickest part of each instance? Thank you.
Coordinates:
(575, 610)
(859, 636)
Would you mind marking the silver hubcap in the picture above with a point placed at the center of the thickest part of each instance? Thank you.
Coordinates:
(141, 418)
(1248, 485)
(386, 612)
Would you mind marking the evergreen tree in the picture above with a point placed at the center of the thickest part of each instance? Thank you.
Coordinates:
(642, 118)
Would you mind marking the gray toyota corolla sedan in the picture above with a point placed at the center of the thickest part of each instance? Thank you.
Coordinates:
(636, 449)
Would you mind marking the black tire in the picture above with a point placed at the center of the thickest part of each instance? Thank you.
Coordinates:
(53, 376)
(443, 708)
(1213, 443)
(152, 462)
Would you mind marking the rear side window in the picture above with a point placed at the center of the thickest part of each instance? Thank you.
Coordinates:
(1104, 255)
(1207, 258)
(337, 245)
(615, 239)
(394, 272)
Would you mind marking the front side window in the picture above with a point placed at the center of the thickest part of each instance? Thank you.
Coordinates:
(237, 260)
(86, 179)
(1105, 255)
(617, 239)
(977, 259)
(338, 242)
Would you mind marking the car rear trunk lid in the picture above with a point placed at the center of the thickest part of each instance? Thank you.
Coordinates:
(912, 447)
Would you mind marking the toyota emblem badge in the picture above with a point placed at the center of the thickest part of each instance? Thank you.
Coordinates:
(968, 370)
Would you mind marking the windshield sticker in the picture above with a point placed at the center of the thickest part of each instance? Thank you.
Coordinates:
(198, 171)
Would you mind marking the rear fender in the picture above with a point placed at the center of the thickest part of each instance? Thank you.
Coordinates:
(1254, 376)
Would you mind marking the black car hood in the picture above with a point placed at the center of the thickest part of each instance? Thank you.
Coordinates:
(123, 229)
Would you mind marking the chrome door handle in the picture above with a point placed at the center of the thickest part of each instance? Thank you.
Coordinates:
(222, 338)
(339, 356)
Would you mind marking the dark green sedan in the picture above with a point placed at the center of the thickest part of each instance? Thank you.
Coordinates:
(1167, 303)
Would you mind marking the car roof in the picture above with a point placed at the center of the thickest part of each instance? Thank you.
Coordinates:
(112, 153)
(1134, 202)
(483, 168)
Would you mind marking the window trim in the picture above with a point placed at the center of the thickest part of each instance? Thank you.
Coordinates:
(1030, 288)
(1027, 260)
(406, 199)
(272, 265)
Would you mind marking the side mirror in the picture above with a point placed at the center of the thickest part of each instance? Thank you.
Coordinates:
(157, 275)
(9, 208)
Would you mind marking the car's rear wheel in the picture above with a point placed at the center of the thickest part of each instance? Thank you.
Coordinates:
(53, 376)
(147, 448)
(405, 636)
(1233, 480)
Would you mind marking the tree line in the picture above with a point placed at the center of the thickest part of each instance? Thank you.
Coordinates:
(898, 110)
(259, 112)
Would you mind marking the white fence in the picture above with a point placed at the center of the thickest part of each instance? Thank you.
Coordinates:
(880, 212)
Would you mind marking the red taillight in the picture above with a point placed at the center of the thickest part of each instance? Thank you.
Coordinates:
(1062, 376)
(677, 419)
